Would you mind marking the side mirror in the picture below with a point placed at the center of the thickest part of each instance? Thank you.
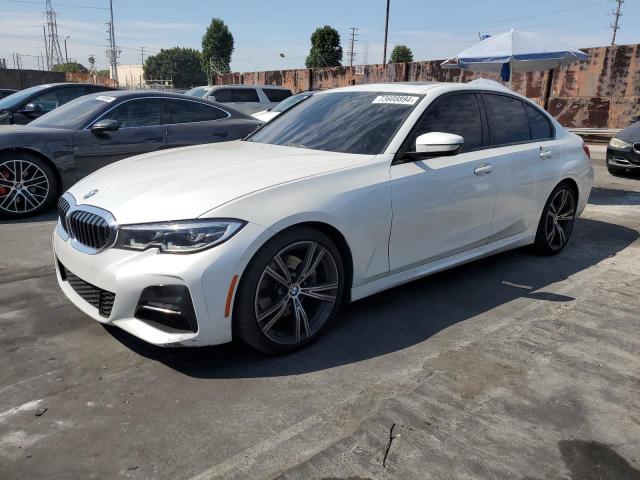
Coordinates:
(438, 143)
(212, 98)
(106, 125)
(32, 108)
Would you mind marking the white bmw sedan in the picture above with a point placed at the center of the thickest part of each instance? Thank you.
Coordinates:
(353, 191)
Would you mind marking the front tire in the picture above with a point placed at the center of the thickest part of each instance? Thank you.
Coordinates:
(290, 291)
(28, 185)
(556, 222)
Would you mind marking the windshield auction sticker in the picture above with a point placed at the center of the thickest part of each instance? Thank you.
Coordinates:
(105, 98)
(396, 99)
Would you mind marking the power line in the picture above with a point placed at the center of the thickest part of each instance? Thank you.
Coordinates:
(615, 26)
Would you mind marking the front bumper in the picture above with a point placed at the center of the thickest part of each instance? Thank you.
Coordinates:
(207, 275)
(623, 158)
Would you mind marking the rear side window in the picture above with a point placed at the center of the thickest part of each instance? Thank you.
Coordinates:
(244, 95)
(458, 114)
(507, 119)
(539, 124)
(276, 94)
(184, 111)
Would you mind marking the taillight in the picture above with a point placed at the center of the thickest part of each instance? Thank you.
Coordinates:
(585, 147)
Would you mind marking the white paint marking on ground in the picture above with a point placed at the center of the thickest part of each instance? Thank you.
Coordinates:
(517, 285)
(21, 408)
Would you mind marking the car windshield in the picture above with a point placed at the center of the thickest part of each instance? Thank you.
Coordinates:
(75, 114)
(198, 92)
(15, 99)
(287, 103)
(347, 122)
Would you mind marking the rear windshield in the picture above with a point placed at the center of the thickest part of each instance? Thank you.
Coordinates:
(347, 122)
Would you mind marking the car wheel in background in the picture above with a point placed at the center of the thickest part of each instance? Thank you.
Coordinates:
(556, 223)
(289, 292)
(615, 170)
(28, 185)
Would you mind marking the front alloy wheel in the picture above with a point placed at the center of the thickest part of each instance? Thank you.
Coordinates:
(26, 186)
(296, 283)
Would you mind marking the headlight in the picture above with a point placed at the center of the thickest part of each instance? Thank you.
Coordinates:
(182, 236)
(617, 143)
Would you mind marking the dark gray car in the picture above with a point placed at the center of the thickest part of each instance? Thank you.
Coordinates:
(40, 160)
(26, 105)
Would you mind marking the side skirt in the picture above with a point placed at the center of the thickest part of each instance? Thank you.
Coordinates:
(405, 276)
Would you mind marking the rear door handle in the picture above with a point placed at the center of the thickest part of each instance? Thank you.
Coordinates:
(219, 135)
(483, 170)
(544, 154)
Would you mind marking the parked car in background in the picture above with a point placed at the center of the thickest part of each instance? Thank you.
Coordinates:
(623, 152)
(5, 92)
(286, 104)
(244, 98)
(354, 191)
(26, 105)
(40, 160)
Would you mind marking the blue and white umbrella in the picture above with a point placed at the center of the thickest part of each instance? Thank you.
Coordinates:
(516, 52)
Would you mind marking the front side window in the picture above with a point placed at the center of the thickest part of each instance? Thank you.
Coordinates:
(348, 122)
(137, 113)
(457, 114)
(276, 94)
(507, 119)
(184, 111)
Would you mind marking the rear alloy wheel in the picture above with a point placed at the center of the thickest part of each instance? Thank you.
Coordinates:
(292, 288)
(557, 221)
(27, 185)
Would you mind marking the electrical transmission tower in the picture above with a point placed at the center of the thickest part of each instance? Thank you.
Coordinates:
(52, 44)
(351, 53)
(615, 26)
(112, 52)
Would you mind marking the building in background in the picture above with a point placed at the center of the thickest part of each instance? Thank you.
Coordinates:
(131, 76)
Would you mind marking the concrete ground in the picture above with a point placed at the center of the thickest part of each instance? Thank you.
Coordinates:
(460, 375)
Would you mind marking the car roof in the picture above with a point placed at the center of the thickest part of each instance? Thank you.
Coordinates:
(419, 88)
(146, 93)
(237, 85)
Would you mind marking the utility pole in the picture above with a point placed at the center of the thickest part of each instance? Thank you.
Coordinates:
(351, 53)
(112, 51)
(386, 34)
(66, 56)
(142, 55)
(615, 26)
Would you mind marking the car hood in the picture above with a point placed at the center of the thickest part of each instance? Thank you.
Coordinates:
(184, 183)
(631, 134)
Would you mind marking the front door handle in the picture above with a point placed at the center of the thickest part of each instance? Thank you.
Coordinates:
(483, 170)
(219, 135)
(544, 154)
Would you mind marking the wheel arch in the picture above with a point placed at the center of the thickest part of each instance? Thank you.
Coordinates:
(42, 157)
(573, 185)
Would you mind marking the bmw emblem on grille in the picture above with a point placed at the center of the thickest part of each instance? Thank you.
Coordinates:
(91, 193)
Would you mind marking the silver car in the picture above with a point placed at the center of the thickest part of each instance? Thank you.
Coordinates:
(244, 98)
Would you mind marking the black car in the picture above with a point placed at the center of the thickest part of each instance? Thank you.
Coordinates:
(41, 160)
(623, 152)
(5, 92)
(26, 105)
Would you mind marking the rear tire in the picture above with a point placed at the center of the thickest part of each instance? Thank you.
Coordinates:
(289, 292)
(28, 185)
(615, 170)
(556, 222)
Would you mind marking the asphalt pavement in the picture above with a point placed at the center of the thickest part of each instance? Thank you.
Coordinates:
(516, 366)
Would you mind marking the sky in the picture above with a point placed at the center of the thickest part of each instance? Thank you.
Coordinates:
(263, 30)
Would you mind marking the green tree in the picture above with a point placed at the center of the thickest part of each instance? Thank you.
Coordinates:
(217, 46)
(181, 64)
(401, 54)
(71, 67)
(325, 48)
(106, 73)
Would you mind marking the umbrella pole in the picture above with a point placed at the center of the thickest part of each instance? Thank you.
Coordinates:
(511, 73)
